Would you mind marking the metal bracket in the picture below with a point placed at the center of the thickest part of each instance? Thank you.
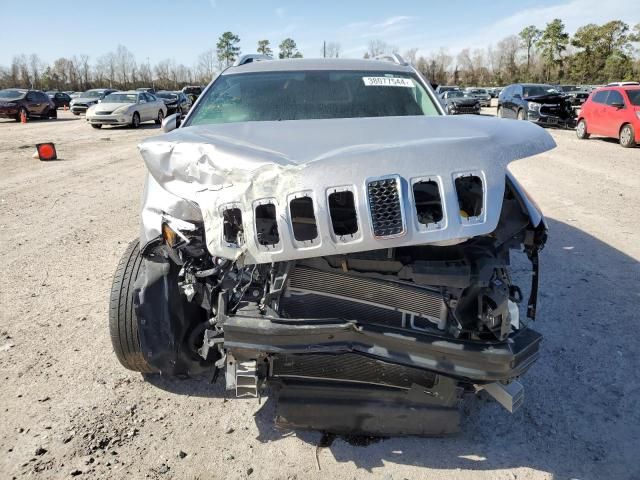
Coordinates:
(510, 396)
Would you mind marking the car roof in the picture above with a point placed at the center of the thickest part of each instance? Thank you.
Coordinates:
(129, 91)
(303, 64)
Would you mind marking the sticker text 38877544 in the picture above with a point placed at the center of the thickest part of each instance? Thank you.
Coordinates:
(387, 82)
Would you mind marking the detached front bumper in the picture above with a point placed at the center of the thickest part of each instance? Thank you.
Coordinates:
(473, 362)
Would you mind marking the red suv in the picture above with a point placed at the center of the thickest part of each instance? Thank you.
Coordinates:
(612, 112)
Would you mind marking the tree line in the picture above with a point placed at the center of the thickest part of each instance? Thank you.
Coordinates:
(594, 54)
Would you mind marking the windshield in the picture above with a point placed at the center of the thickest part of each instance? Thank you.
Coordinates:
(169, 95)
(12, 94)
(634, 97)
(91, 94)
(478, 91)
(121, 98)
(271, 96)
(454, 93)
(537, 90)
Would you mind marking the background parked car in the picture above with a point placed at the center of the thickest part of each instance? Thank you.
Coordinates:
(33, 103)
(146, 89)
(539, 103)
(456, 103)
(193, 92)
(176, 102)
(440, 89)
(126, 108)
(481, 94)
(576, 94)
(612, 112)
(87, 99)
(61, 99)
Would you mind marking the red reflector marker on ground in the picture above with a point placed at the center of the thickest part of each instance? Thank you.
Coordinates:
(46, 151)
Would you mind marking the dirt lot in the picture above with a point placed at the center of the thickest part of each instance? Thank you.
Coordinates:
(68, 408)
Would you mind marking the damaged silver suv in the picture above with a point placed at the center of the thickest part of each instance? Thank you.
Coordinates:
(324, 228)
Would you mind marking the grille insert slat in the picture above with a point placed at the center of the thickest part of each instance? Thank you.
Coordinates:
(385, 206)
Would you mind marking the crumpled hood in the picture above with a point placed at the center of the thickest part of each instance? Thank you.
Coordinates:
(558, 99)
(243, 163)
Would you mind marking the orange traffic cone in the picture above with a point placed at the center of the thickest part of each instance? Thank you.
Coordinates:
(64, 107)
(23, 117)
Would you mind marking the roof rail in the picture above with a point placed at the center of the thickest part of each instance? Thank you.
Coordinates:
(391, 57)
(251, 57)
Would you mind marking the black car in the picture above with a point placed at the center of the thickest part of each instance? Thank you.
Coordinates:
(61, 99)
(15, 102)
(176, 102)
(456, 102)
(193, 92)
(575, 94)
(538, 103)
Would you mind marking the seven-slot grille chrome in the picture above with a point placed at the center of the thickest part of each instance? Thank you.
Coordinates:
(386, 207)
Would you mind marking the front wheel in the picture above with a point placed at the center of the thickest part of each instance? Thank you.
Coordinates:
(627, 136)
(499, 113)
(581, 130)
(135, 121)
(52, 114)
(521, 115)
(123, 323)
(96, 125)
(160, 117)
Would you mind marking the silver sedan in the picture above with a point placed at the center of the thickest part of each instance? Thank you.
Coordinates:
(127, 108)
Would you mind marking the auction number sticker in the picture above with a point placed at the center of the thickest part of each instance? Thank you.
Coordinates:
(387, 82)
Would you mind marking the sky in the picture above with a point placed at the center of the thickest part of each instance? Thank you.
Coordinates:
(182, 29)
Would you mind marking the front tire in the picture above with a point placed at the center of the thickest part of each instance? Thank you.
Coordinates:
(52, 114)
(160, 117)
(135, 121)
(499, 112)
(521, 115)
(96, 125)
(123, 323)
(627, 136)
(581, 130)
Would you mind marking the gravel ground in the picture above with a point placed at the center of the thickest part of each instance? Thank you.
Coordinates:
(69, 409)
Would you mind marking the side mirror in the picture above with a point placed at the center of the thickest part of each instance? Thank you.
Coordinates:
(617, 105)
(170, 123)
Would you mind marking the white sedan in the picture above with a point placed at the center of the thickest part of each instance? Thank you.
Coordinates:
(126, 108)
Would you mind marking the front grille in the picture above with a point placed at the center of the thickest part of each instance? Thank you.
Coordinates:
(385, 294)
(466, 109)
(350, 367)
(550, 110)
(103, 113)
(386, 210)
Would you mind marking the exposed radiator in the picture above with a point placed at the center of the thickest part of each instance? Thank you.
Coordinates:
(383, 294)
(350, 367)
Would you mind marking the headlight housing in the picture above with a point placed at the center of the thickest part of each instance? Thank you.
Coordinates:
(533, 107)
(121, 110)
(10, 104)
(638, 114)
